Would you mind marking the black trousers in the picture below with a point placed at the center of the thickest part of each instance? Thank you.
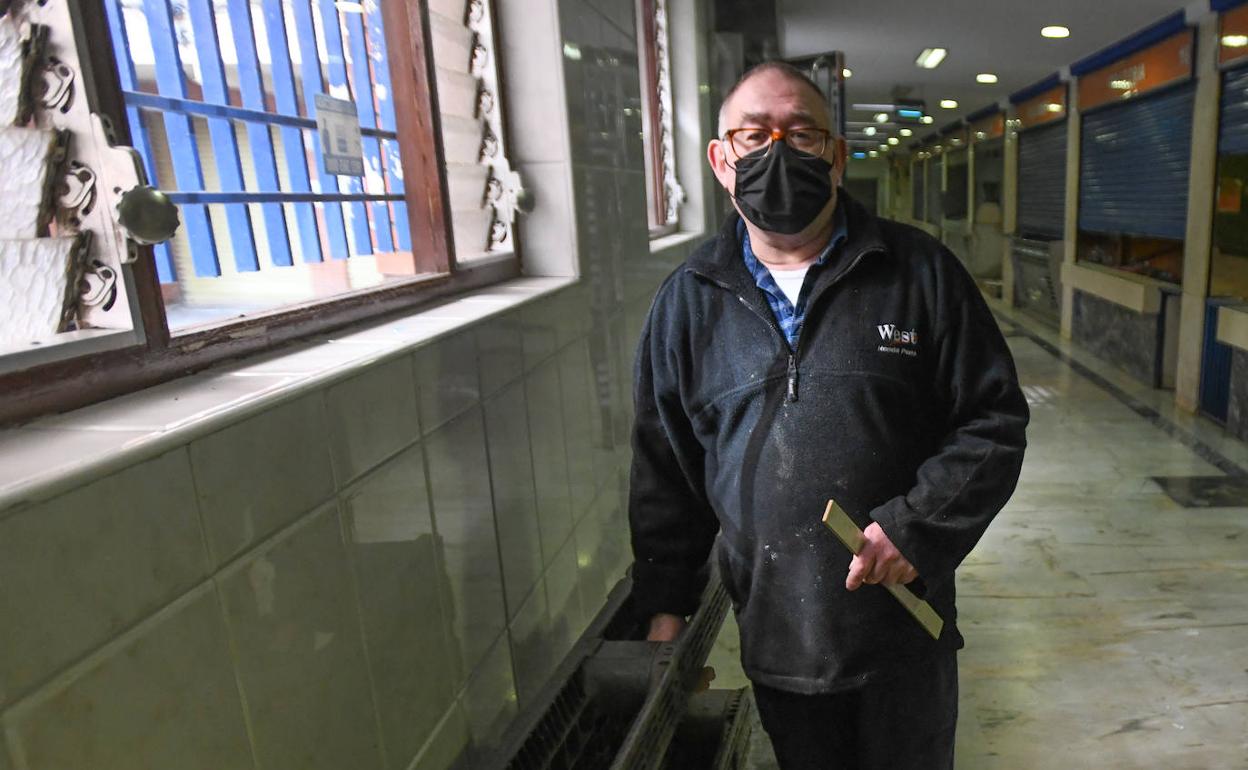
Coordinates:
(903, 723)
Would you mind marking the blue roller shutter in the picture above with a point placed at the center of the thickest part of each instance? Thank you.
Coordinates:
(1134, 166)
(1042, 181)
(1233, 135)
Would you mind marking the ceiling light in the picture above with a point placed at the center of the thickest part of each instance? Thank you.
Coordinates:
(1235, 41)
(894, 140)
(873, 107)
(926, 119)
(874, 153)
(1055, 31)
(881, 117)
(931, 58)
(949, 104)
(860, 155)
(906, 132)
(981, 135)
(869, 130)
(985, 77)
(1053, 107)
(847, 73)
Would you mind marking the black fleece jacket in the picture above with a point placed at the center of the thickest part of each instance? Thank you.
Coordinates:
(899, 400)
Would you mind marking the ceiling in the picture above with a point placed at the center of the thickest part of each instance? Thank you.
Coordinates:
(882, 38)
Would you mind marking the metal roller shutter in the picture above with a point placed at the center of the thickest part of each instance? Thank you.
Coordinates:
(934, 172)
(1233, 134)
(917, 177)
(1042, 181)
(1135, 159)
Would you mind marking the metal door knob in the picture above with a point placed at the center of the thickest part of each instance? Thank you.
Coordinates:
(147, 215)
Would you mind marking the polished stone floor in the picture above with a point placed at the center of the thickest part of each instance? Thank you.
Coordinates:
(1106, 624)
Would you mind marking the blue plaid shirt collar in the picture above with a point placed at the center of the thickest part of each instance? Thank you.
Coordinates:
(790, 318)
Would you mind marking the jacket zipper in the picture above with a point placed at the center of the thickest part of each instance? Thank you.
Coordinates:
(795, 351)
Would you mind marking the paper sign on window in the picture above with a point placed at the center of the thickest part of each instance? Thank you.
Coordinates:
(338, 123)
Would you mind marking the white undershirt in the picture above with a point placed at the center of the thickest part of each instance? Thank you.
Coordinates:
(790, 281)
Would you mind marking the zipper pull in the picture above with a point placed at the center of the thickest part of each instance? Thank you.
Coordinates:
(792, 378)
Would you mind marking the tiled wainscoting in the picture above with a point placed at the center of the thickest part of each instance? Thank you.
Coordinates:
(388, 564)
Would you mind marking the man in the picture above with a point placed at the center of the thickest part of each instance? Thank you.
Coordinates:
(815, 352)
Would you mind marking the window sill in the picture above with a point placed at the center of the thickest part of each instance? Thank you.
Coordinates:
(1233, 326)
(675, 240)
(1134, 292)
(56, 453)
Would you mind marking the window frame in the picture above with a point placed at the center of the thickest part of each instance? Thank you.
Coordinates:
(74, 380)
(656, 169)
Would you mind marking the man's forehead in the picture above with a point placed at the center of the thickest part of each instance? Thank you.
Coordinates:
(778, 97)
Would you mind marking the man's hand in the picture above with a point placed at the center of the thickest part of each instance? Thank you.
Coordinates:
(878, 562)
(665, 627)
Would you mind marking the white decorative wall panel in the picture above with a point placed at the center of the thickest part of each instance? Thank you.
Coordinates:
(25, 156)
(11, 70)
(33, 279)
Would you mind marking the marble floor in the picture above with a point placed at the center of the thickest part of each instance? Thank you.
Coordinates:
(1106, 624)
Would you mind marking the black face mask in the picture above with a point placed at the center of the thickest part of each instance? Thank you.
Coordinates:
(780, 191)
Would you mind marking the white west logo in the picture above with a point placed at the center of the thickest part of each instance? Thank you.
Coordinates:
(894, 336)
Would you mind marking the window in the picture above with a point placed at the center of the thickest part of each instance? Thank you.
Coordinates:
(314, 183)
(663, 191)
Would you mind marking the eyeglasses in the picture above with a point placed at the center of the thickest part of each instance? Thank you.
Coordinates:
(809, 142)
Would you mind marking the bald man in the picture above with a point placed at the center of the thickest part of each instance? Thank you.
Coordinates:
(811, 352)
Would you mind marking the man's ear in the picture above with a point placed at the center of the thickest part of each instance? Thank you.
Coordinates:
(840, 156)
(719, 164)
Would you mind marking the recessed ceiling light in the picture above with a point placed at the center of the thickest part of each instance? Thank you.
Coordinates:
(874, 153)
(894, 140)
(906, 132)
(884, 148)
(927, 119)
(881, 117)
(1053, 107)
(985, 77)
(931, 58)
(1235, 41)
(981, 135)
(847, 73)
(949, 104)
(869, 130)
(1055, 31)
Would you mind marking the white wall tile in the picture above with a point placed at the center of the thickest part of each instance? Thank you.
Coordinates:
(500, 352)
(463, 514)
(371, 417)
(490, 698)
(77, 569)
(515, 496)
(447, 379)
(550, 459)
(530, 646)
(164, 696)
(259, 475)
(448, 748)
(591, 574)
(295, 630)
(390, 539)
(564, 601)
(574, 385)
